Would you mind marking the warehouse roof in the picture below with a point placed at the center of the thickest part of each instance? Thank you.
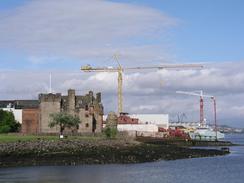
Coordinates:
(19, 104)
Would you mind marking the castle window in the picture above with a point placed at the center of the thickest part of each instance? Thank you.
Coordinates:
(86, 107)
(87, 125)
(87, 115)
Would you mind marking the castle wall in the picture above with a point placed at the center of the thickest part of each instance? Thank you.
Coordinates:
(30, 121)
(88, 108)
(98, 115)
(49, 104)
(86, 121)
(99, 122)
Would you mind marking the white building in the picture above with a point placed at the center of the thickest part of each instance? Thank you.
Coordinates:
(16, 112)
(138, 127)
(147, 123)
(17, 106)
(161, 120)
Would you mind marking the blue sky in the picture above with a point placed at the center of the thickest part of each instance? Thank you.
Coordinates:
(206, 31)
(4, 5)
(39, 36)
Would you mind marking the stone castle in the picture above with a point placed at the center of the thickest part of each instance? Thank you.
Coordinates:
(88, 108)
(35, 114)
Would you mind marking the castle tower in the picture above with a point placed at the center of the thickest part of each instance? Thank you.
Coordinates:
(71, 101)
(49, 104)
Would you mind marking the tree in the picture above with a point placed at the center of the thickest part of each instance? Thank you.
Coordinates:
(111, 125)
(110, 132)
(63, 120)
(8, 122)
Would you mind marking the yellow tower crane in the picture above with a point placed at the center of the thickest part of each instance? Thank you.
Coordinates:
(120, 71)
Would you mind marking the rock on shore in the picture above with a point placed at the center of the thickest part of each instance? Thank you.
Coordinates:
(73, 152)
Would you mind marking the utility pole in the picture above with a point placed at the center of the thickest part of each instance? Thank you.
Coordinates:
(50, 83)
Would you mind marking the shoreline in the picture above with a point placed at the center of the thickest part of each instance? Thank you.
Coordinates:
(103, 151)
(185, 143)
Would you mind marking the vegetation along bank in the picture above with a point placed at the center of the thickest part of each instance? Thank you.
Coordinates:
(92, 150)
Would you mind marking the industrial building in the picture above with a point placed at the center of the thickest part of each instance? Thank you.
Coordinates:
(160, 120)
(142, 122)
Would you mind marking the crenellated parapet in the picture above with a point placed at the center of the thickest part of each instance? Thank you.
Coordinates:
(87, 107)
(50, 97)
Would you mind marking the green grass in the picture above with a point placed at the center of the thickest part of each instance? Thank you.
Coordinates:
(19, 137)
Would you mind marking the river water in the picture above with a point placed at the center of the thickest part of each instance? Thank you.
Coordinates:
(225, 169)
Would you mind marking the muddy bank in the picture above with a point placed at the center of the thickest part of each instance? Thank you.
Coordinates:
(74, 152)
(184, 143)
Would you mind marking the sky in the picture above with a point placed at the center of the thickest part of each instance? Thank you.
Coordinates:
(59, 36)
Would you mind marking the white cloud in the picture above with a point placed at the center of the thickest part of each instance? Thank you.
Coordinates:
(43, 59)
(143, 92)
(83, 29)
(238, 109)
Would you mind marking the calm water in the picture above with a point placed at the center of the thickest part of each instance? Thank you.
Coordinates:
(227, 169)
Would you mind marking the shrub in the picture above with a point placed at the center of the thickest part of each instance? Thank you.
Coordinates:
(5, 129)
(8, 123)
(110, 132)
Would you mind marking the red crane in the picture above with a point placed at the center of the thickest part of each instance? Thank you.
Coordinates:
(200, 93)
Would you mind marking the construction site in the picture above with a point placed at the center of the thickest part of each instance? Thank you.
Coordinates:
(34, 115)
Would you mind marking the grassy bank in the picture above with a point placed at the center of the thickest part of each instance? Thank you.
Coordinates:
(5, 138)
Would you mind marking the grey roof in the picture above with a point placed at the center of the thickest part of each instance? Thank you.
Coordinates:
(20, 104)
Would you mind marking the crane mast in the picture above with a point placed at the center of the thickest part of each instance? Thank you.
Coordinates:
(201, 111)
(215, 116)
(120, 91)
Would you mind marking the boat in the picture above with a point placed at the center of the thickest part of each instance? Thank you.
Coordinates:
(206, 133)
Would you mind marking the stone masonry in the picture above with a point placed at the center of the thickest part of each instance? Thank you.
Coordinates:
(30, 121)
(88, 108)
(49, 103)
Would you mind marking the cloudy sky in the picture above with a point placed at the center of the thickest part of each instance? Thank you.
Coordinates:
(58, 36)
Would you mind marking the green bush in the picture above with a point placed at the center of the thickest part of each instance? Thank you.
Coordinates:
(5, 129)
(8, 123)
(110, 132)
